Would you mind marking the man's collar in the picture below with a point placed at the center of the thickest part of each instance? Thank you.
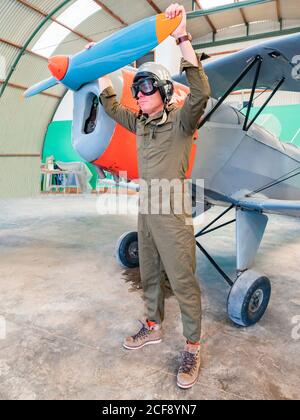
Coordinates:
(158, 115)
(147, 119)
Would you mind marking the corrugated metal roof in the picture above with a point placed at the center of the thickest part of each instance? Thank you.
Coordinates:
(70, 45)
(130, 14)
(290, 9)
(226, 19)
(99, 26)
(264, 12)
(46, 5)
(17, 22)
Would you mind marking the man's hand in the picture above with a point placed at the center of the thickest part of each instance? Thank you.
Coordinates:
(105, 82)
(90, 45)
(171, 12)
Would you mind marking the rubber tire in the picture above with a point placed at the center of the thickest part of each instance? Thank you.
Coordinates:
(240, 296)
(121, 251)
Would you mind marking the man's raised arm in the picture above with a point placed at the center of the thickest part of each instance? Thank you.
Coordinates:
(196, 101)
(113, 108)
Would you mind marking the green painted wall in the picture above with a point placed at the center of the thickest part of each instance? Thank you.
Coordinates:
(286, 124)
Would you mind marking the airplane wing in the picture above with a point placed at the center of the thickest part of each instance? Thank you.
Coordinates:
(267, 205)
(281, 58)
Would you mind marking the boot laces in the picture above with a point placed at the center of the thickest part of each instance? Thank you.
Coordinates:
(144, 331)
(188, 362)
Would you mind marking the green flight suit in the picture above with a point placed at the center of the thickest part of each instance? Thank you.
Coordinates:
(167, 245)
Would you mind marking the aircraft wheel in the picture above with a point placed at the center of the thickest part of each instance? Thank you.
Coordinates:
(249, 298)
(127, 250)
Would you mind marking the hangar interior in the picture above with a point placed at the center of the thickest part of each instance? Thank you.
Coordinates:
(65, 302)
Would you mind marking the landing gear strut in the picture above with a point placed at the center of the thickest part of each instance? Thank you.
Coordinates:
(250, 292)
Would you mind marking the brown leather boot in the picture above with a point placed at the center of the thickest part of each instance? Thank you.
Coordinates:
(190, 366)
(146, 335)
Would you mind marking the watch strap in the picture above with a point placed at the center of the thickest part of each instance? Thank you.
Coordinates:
(183, 38)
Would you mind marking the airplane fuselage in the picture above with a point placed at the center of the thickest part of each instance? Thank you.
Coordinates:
(233, 162)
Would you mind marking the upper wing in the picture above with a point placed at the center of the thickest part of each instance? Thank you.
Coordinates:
(281, 58)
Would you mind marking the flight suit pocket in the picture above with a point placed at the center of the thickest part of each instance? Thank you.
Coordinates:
(164, 127)
(162, 135)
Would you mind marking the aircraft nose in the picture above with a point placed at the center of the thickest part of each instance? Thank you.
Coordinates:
(58, 66)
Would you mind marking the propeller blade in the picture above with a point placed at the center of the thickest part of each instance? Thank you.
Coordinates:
(40, 87)
(114, 52)
(111, 54)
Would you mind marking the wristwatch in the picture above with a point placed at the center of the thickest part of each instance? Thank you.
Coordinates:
(187, 37)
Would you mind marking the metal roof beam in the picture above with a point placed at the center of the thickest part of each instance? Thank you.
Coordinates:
(279, 13)
(41, 12)
(19, 155)
(247, 38)
(154, 6)
(208, 20)
(243, 14)
(226, 8)
(19, 47)
(110, 12)
(278, 9)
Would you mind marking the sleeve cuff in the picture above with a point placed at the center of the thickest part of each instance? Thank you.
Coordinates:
(185, 64)
(108, 92)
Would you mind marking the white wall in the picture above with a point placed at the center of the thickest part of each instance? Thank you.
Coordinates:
(169, 55)
(65, 110)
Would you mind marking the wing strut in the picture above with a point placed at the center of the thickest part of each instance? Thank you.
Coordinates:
(255, 61)
(278, 181)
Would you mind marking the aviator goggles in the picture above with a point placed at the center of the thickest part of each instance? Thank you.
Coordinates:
(148, 86)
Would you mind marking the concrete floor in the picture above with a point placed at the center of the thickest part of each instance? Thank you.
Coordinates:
(67, 305)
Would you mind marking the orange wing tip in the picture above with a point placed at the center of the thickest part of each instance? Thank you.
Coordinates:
(58, 66)
(165, 26)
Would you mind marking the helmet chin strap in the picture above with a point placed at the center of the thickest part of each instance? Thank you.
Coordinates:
(164, 117)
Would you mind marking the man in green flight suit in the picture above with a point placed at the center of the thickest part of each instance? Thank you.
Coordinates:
(167, 244)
